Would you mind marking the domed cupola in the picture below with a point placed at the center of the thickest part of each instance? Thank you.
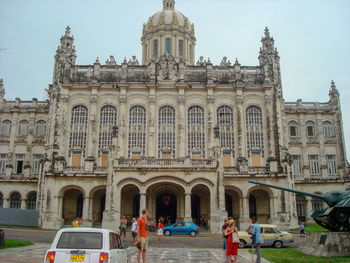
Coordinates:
(168, 32)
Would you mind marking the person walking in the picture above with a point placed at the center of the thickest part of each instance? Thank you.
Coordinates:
(256, 238)
(232, 241)
(160, 230)
(133, 230)
(142, 236)
(123, 224)
(224, 238)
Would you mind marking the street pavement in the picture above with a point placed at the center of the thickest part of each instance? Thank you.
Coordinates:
(204, 248)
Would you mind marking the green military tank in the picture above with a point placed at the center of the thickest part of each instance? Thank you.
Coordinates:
(336, 217)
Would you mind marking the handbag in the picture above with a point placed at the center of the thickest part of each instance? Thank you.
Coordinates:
(235, 238)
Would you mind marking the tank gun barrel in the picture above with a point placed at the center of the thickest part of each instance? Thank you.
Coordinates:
(318, 196)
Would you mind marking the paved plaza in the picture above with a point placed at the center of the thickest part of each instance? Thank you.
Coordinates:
(35, 254)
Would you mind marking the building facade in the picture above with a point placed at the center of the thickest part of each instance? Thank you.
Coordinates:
(174, 136)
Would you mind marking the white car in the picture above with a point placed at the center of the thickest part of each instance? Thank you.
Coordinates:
(88, 245)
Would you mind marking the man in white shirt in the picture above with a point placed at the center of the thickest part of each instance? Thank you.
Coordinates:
(133, 230)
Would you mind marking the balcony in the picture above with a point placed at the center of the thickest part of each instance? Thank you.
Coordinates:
(165, 163)
(252, 171)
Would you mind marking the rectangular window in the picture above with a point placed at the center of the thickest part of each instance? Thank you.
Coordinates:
(3, 160)
(296, 166)
(227, 160)
(256, 158)
(331, 165)
(19, 163)
(76, 158)
(314, 165)
(292, 131)
(36, 163)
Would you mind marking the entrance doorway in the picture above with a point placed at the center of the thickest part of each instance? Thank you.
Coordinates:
(196, 209)
(167, 208)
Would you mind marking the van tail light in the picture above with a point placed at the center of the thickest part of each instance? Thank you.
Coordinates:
(103, 257)
(50, 257)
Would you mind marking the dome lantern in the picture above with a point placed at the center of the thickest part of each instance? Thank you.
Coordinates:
(168, 32)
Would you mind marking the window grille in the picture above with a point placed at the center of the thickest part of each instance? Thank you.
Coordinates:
(155, 48)
(108, 119)
(23, 128)
(314, 165)
(40, 129)
(15, 201)
(328, 129)
(293, 129)
(168, 46)
(254, 123)
(31, 201)
(226, 127)
(296, 166)
(316, 204)
(181, 48)
(331, 165)
(166, 132)
(196, 130)
(6, 128)
(79, 125)
(36, 163)
(310, 129)
(3, 160)
(137, 128)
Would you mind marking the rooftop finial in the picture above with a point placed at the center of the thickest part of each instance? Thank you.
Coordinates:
(267, 33)
(168, 4)
(67, 31)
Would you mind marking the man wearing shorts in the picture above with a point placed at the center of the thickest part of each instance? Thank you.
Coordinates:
(142, 236)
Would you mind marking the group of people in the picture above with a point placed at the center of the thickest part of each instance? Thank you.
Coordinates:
(231, 239)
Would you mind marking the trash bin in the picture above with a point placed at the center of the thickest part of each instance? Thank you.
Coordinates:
(2, 238)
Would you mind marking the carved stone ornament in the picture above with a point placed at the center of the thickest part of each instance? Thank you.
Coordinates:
(167, 68)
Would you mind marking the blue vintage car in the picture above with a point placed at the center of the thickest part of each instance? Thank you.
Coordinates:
(182, 228)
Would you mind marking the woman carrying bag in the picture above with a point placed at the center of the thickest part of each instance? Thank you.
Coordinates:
(232, 241)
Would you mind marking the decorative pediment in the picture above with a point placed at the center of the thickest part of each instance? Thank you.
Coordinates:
(167, 68)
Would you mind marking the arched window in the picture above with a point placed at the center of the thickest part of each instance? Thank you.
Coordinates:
(23, 128)
(317, 204)
(108, 119)
(226, 128)
(328, 129)
(1, 200)
(15, 200)
(155, 48)
(6, 128)
(166, 133)
(78, 134)
(255, 135)
(31, 201)
(196, 132)
(293, 129)
(310, 129)
(40, 128)
(168, 45)
(79, 125)
(181, 48)
(137, 131)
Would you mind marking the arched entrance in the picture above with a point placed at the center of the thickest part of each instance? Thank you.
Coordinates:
(99, 203)
(165, 200)
(166, 208)
(130, 201)
(301, 207)
(200, 205)
(72, 205)
(259, 205)
(232, 202)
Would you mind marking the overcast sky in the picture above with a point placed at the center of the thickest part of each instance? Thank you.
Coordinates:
(312, 37)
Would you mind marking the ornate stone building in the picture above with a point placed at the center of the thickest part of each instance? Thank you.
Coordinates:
(178, 137)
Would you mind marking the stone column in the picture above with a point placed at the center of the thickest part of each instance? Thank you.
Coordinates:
(181, 144)
(151, 121)
(6, 203)
(23, 203)
(211, 117)
(308, 208)
(142, 202)
(122, 119)
(93, 125)
(275, 207)
(86, 208)
(188, 209)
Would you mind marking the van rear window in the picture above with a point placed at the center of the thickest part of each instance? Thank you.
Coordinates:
(80, 240)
